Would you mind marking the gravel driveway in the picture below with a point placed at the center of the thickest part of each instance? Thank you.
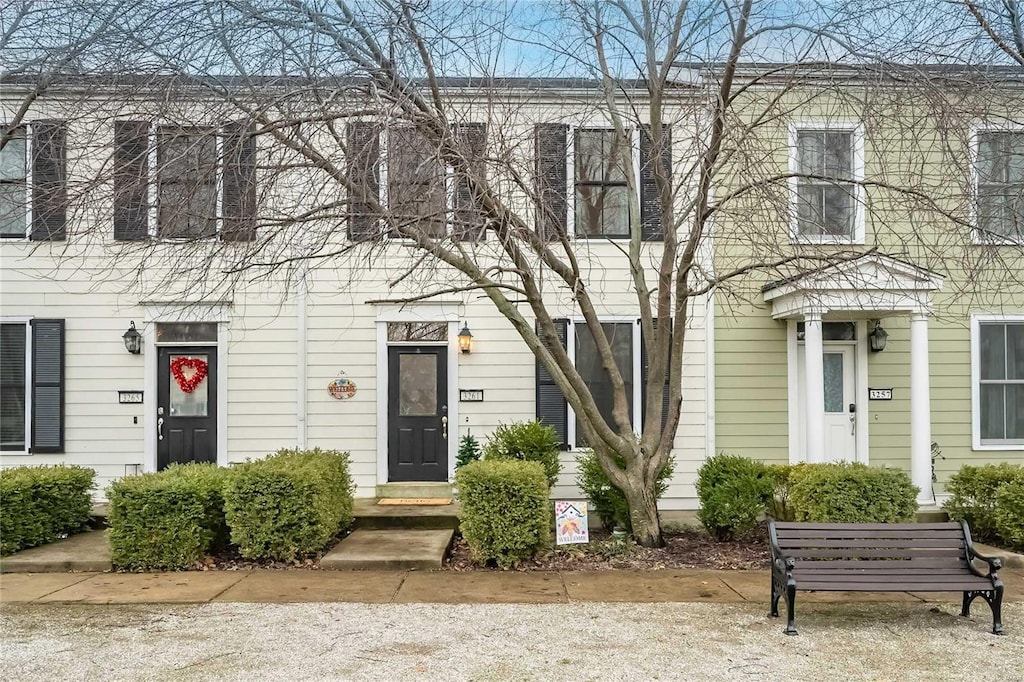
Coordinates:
(578, 641)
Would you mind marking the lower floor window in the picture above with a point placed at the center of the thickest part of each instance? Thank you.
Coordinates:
(588, 364)
(13, 380)
(1000, 379)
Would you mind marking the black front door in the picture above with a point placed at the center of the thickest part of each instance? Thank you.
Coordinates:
(186, 413)
(417, 413)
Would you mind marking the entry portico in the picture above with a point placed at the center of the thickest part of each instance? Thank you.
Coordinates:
(854, 291)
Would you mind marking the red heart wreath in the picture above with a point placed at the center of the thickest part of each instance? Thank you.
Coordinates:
(188, 384)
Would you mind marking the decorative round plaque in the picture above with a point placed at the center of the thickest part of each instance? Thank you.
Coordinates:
(342, 389)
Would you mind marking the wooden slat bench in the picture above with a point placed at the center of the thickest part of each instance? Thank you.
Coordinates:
(880, 557)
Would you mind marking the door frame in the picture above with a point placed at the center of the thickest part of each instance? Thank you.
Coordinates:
(184, 312)
(437, 312)
(860, 361)
(192, 348)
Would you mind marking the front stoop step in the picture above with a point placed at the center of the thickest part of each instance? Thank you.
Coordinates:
(390, 549)
(372, 516)
(414, 490)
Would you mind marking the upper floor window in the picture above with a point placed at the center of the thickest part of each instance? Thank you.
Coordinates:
(581, 181)
(825, 162)
(604, 160)
(33, 186)
(203, 185)
(397, 171)
(14, 184)
(1000, 191)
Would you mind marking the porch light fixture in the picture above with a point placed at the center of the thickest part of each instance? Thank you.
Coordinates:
(465, 338)
(877, 337)
(133, 339)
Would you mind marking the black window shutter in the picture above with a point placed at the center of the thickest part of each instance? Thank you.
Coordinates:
(131, 181)
(645, 371)
(238, 205)
(49, 181)
(47, 386)
(650, 202)
(363, 141)
(551, 406)
(550, 151)
(468, 219)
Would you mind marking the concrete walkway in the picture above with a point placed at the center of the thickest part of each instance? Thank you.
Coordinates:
(480, 587)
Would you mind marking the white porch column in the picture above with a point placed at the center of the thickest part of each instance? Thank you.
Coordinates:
(920, 409)
(814, 375)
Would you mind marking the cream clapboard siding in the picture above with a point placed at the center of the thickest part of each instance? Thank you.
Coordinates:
(98, 286)
(902, 142)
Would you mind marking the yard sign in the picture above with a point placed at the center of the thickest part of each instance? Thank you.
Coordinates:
(571, 523)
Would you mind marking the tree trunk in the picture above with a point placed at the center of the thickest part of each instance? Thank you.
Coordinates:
(643, 513)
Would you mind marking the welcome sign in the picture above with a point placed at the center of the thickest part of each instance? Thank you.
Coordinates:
(571, 526)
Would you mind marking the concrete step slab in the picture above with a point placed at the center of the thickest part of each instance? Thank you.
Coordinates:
(414, 490)
(370, 515)
(390, 549)
(84, 552)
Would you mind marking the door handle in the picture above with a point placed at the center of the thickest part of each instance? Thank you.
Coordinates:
(444, 427)
(853, 419)
(160, 428)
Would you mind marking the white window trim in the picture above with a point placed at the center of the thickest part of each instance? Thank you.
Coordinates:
(570, 174)
(153, 184)
(29, 135)
(570, 347)
(27, 321)
(982, 127)
(976, 444)
(857, 129)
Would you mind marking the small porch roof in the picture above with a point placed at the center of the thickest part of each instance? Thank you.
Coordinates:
(873, 286)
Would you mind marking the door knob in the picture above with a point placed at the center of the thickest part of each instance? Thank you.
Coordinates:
(160, 428)
(444, 427)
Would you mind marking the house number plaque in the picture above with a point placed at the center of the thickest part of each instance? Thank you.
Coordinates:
(879, 394)
(129, 397)
(475, 395)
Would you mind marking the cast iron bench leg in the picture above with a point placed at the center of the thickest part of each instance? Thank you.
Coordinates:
(790, 617)
(997, 610)
(965, 610)
(776, 595)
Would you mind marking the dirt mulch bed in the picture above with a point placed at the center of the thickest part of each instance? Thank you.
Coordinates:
(687, 548)
(228, 559)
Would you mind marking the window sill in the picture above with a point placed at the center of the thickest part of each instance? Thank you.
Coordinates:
(15, 453)
(991, 447)
(997, 241)
(815, 241)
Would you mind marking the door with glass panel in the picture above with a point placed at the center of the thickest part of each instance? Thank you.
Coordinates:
(186, 405)
(840, 379)
(418, 413)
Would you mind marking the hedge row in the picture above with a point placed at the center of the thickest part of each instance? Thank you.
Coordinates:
(43, 503)
(282, 507)
(991, 499)
(168, 520)
(736, 491)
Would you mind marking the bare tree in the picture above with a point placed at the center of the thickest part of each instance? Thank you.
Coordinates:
(702, 86)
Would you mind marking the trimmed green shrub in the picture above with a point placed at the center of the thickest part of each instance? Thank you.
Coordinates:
(973, 491)
(469, 451)
(290, 504)
(40, 504)
(1010, 512)
(852, 493)
(529, 442)
(610, 502)
(733, 492)
(167, 520)
(784, 476)
(506, 515)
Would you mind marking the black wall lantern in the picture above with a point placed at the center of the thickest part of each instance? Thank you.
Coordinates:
(877, 337)
(465, 339)
(133, 339)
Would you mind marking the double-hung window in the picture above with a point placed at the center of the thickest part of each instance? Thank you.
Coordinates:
(33, 189)
(999, 383)
(628, 351)
(31, 386)
(603, 163)
(184, 182)
(1000, 186)
(826, 166)
(402, 185)
(14, 185)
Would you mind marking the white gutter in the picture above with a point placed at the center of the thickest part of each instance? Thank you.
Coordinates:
(302, 325)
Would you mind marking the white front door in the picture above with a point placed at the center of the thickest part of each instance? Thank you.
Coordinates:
(840, 371)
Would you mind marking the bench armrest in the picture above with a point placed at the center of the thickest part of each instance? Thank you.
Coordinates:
(784, 563)
(994, 563)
